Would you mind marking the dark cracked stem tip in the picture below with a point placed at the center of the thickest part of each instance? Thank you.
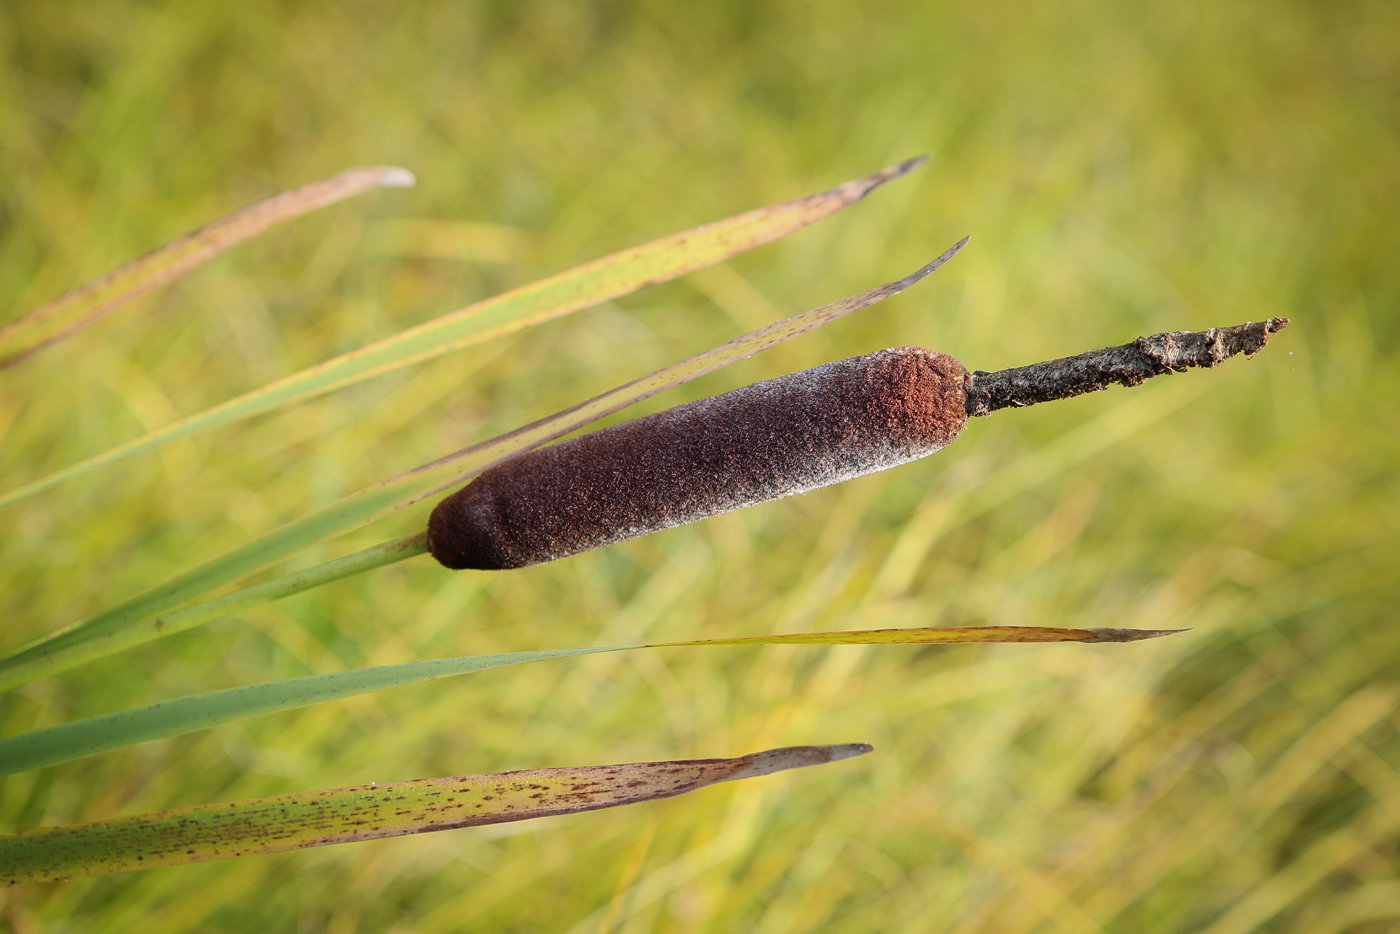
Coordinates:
(1128, 365)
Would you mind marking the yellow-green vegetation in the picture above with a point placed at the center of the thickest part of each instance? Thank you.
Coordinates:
(1121, 171)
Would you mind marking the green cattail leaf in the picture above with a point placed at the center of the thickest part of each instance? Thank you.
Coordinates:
(56, 744)
(578, 288)
(71, 313)
(103, 733)
(196, 614)
(121, 626)
(371, 812)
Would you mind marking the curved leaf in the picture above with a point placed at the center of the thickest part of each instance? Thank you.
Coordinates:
(67, 315)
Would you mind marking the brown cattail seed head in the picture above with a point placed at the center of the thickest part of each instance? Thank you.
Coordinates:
(772, 439)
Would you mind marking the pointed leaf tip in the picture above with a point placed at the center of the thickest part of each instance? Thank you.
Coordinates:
(1130, 635)
(393, 176)
(795, 757)
(847, 750)
(942, 259)
(861, 187)
(909, 165)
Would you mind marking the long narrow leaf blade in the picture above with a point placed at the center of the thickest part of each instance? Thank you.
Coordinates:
(72, 312)
(197, 614)
(945, 635)
(121, 624)
(567, 292)
(372, 812)
(55, 744)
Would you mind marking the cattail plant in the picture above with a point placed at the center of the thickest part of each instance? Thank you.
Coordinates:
(529, 503)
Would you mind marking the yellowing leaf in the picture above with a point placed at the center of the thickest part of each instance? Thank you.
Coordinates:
(76, 310)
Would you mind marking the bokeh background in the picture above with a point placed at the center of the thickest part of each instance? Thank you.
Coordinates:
(1122, 169)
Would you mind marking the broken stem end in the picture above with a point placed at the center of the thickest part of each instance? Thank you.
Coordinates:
(1128, 365)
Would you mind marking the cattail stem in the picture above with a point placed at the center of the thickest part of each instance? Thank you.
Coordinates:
(1128, 365)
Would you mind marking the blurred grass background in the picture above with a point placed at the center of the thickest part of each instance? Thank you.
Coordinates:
(1122, 169)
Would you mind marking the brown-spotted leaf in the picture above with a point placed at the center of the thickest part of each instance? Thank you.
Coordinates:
(371, 812)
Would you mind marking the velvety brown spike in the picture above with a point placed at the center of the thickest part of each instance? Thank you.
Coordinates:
(772, 439)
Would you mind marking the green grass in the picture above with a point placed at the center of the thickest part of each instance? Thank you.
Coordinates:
(1121, 171)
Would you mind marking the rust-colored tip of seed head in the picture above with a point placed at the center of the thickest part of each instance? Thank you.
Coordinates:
(915, 396)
